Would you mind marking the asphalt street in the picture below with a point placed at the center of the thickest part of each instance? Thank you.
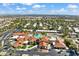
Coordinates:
(34, 52)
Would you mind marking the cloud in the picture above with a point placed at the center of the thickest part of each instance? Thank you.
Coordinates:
(72, 7)
(8, 12)
(27, 4)
(7, 4)
(38, 7)
(28, 12)
(62, 10)
(20, 8)
(57, 11)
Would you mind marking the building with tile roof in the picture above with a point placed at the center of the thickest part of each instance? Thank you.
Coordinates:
(59, 44)
(45, 39)
(43, 45)
(19, 33)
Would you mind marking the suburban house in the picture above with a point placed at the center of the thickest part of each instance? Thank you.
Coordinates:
(59, 44)
(76, 29)
(45, 39)
(20, 38)
(19, 33)
(43, 45)
(20, 41)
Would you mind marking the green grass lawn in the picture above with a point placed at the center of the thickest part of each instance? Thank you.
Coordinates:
(30, 46)
(23, 47)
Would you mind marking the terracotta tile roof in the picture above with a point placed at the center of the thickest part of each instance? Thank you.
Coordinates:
(23, 38)
(17, 44)
(42, 43)
(32, 38)
(19, 33)
(20, 38)
(26, 38)
(59, 44)
(45, 38)
(20, 41)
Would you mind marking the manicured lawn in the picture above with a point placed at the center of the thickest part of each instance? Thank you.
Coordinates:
(23, 47)
(30, 46)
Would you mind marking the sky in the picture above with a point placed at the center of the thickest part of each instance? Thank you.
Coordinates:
(39, 8)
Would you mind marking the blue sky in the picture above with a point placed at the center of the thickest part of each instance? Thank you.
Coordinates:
(39, 8)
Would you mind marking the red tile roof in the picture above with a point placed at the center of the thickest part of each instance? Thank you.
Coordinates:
(32, 38)
(19, 33)
(42, 43)
(17, 44)
(59, 44)
(20, 41)
(45, 38)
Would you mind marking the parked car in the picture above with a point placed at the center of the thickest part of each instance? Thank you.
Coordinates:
(72, 52)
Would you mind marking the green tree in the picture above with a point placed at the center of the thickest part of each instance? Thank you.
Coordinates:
(69, 43)
(73, 46)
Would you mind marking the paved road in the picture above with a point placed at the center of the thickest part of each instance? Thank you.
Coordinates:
(34, 51)
(6, 34)
(4, 38)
